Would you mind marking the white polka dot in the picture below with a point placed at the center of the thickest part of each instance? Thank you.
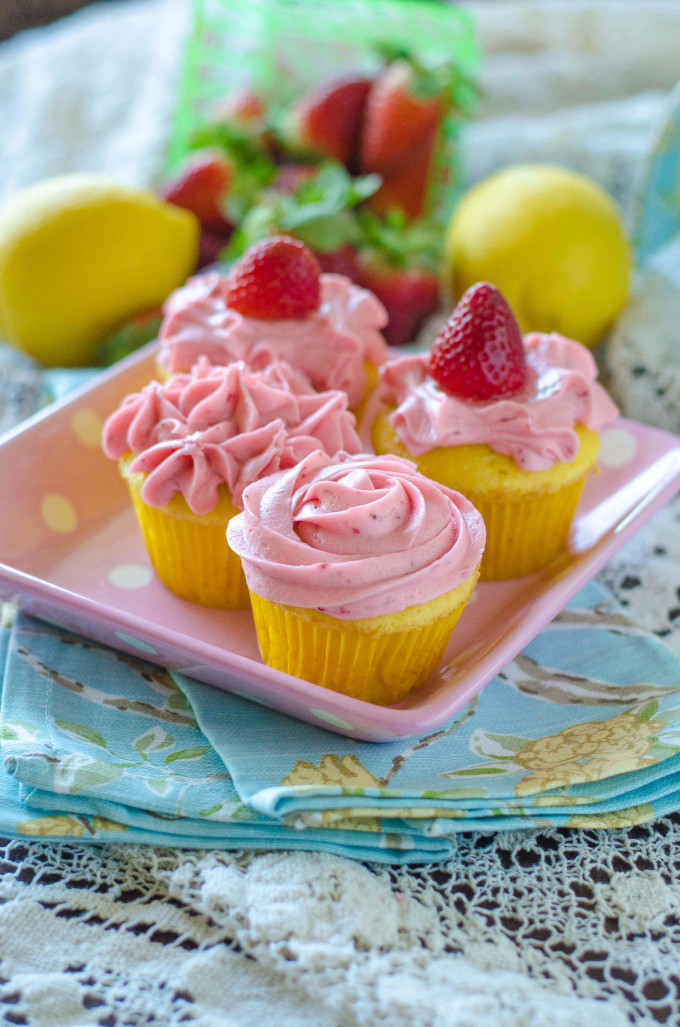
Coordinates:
(136, 642)
(87, 427)
(330, 718)
(130, 575)
(617, 447)
(59, 513)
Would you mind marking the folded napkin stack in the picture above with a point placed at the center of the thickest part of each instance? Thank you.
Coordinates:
(582, 729)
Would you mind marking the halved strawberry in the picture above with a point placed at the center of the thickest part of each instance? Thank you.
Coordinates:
(479, 354)
(404, 105)
(276, 279)
(202, 186)
(327, 121)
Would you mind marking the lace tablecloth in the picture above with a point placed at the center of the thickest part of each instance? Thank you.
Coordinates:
(563, 927)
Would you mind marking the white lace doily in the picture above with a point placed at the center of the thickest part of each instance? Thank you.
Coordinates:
(559, 928)
(516, 930)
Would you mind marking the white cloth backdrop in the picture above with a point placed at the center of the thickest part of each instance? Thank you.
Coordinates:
(515, 930)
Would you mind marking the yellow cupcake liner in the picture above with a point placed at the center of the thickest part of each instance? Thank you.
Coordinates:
(524, 535)
(189, 552)
(527, 514)
(378, 659)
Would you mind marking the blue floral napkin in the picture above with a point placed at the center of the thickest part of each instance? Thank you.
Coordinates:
(582, 729)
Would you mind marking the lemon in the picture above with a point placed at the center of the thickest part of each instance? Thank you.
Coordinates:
(78, 255)
(551, 240)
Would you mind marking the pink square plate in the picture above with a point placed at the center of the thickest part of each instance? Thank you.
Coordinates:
(72, 555)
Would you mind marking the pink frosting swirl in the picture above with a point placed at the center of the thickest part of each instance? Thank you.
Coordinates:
(535, 427)
(224, 425)
(330, 346)
(355, 536)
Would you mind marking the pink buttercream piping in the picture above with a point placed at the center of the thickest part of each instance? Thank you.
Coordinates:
(355, 536)
(330, 346)
(224, 425)
(535, 427)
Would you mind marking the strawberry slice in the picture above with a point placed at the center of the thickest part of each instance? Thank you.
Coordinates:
(202, 186)
(276, 279)
(405, 105)
(327, 121)
(479, 354)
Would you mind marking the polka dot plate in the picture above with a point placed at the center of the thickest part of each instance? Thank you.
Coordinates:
(72, 554)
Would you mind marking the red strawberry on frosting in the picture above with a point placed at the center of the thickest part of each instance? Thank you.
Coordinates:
(479, 354)
(276, 279)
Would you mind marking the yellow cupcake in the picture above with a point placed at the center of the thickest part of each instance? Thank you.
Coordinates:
(377, 659)
(358, 571)
(511, 422)
(339, 345)
(188, 447)
(527, 514)
(188, 550)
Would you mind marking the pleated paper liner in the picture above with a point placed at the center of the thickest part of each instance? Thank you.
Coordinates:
(376, 659)
(189, 552)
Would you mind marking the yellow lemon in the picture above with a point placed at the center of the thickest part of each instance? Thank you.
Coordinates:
(551, 240)
(78, 255)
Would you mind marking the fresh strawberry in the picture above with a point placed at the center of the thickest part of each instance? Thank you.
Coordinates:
(404, 105)
(343, 261)
(291, 176)
(327, 121)
(399, 262)
(241, 124)
(210, 246)
(406, 188)
(479, 354)
(202, 187)
(244, 108)
(276, 279)
(409, 295)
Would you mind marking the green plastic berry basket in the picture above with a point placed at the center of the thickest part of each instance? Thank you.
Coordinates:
(280, 48)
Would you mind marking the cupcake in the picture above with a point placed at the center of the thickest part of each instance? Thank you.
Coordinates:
(188, 448)
(276, 305)
(358, 569)
(513, 423)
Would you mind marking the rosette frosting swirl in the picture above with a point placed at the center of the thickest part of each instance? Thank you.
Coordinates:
(224, 425)
(330, 345)
(534, 427)
(355, 536)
